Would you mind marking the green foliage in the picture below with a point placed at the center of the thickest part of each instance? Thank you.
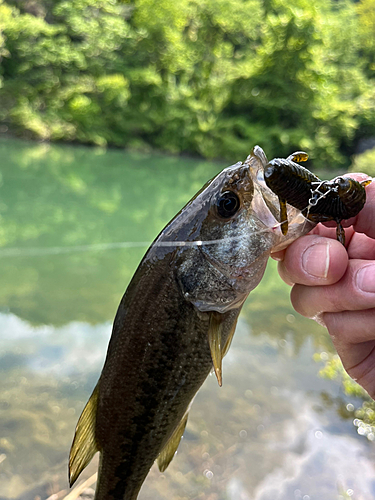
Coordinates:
(366, 31)
(365, 162)
(211, 77)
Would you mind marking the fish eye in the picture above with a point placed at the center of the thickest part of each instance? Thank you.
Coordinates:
(228, 204)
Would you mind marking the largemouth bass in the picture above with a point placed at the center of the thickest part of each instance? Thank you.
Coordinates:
(175, 323)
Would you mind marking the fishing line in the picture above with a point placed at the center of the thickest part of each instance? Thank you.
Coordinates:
(41, 251)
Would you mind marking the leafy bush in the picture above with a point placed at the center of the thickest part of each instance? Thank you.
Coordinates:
(209, 77)
(364, 162)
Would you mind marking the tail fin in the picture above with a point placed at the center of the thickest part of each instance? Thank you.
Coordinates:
(84, 444)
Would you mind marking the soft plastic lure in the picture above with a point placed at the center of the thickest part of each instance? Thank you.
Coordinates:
(319, 201)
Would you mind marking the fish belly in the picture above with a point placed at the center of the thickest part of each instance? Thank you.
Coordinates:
(157, 359)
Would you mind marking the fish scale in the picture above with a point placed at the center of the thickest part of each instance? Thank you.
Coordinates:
(175, 324)
(178, 355)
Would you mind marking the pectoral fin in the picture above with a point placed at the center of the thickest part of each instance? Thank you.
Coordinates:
(215, 343)
(169, 450)
(229, 339)
(84, 444)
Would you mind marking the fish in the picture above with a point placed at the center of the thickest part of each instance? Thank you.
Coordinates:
(175, 323)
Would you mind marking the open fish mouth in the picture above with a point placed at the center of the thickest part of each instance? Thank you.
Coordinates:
(266, 204)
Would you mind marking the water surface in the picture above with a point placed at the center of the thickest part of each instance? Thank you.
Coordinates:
(70, 218)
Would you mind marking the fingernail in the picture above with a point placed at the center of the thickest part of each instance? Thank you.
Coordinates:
(315, 260)
(365, 278)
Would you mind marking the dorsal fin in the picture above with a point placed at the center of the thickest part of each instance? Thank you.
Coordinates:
(84, 444)
(169, 450)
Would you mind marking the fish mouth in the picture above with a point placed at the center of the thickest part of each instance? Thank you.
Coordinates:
(266, 204)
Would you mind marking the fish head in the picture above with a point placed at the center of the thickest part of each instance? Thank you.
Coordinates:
(228, 231)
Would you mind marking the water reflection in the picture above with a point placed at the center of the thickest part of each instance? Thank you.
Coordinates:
(271, 431)
(53, 196)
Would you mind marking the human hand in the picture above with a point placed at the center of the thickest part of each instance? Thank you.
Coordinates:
(336, 286)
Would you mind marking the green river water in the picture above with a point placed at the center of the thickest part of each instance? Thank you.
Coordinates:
(73, 223)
